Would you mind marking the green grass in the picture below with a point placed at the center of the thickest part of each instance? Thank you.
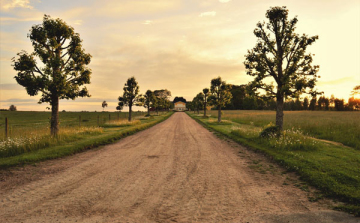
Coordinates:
(22, 123)
(333, 169)
(342, 127)
(74, 143)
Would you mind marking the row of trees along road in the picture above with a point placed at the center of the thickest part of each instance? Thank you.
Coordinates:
(64, 70)
(280, 55)
(159, 99)
(219, 96)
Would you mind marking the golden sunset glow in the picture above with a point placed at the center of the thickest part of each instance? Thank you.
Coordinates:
(178, 45)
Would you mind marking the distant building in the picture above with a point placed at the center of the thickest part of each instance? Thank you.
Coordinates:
(179, 106)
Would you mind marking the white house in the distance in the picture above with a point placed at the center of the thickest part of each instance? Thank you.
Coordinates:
(179, 106)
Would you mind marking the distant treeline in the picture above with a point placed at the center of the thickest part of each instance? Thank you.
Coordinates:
(242, 100)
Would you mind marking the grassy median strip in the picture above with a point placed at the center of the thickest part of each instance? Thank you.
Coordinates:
(333, 169)
(81, 142)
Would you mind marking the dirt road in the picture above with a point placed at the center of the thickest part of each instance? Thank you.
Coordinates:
(176, 171)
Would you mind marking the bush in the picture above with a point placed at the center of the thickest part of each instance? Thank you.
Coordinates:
(269, 131)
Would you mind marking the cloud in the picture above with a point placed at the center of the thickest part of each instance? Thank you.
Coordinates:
(78, 22)
(147, 22)
(338, 81)
(224, 1)
(212, 13)
(16, 4)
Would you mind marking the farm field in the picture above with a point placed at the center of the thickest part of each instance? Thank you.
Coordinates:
(23, 123)
(29, 137)
(330, 166)
(342, 127)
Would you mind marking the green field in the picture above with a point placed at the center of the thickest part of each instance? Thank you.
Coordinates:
(23, 123)
(329, 166)
(29, 137)
(342, 127)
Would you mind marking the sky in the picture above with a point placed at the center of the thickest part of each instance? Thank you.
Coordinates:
(179, 45)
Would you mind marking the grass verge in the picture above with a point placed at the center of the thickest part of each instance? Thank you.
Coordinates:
(109, 135)
(333, 169)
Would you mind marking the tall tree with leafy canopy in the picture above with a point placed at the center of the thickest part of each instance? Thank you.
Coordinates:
(206, 93)
(280, 54)
(148, 100)
(220, 94)
(63, 69)
(130, 96)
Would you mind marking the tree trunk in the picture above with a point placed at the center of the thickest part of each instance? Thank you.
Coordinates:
(205, 108)
(130, 113)
(219, 114)
(148, 110)
(198, 110)
(280, 111)
(54, 123)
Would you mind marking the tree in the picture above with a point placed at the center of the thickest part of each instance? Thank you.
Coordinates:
(206, 93)
(148, 100)
(339, 104)
(104, 104)
(198, 102)
(298, 105)
(64, 69)
(312, 104)
(131, 95)
(176, 99)
(12, 108)
(220, 94)
(280, 55)
(306, 103)
(354, 103)
(162, 97)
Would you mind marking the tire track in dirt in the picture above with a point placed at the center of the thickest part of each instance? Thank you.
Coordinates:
(176, 171)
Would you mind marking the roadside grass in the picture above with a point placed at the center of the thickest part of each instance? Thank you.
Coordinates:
(342, 127)
(331, 168)
(39, 140)
(25, 123)
(72, 141)
(122, 123)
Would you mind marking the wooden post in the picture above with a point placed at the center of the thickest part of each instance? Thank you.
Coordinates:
(79, 121)
(98, 120)
(6, 127)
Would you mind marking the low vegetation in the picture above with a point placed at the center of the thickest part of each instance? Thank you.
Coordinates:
(331, 167)
(341, 127)
(33, 144)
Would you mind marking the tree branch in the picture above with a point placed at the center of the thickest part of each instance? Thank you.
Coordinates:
(38, 70)
(267, 41)
(64, 54)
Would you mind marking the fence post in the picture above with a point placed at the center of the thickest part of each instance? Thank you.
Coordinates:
(79, 121)
(98, 120)
(6, 127)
